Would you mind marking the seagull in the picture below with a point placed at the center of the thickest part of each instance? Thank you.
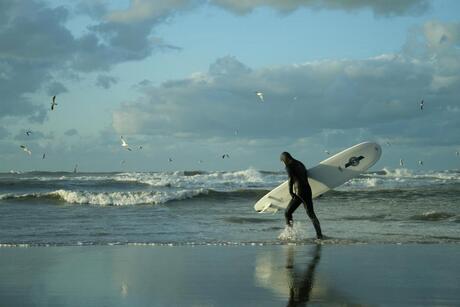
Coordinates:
(225, 156)
(170, 160)
(75, 168)
(421, 105)
(401, 162)
(124, 144)
(53, 103)
(327, 152)
(44, 155)
(27, 150)
(420, 162)
(261, 96)
(28, 132)
(140, 147)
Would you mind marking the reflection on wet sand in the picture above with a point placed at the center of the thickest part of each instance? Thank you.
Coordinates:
(301, 280)
(293, 278)
(293, 273)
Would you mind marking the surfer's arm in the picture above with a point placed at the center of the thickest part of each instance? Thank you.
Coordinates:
(291, 181)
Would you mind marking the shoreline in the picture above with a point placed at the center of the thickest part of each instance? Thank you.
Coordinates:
(231, 275)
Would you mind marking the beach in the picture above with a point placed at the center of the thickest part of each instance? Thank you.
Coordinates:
(252, 275)
(193, 238)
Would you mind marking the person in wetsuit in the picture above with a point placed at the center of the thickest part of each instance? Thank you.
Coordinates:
(298, 177)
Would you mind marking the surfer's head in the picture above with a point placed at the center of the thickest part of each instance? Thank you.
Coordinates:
(286, 157)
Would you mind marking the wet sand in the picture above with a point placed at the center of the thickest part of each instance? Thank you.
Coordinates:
(273, 275)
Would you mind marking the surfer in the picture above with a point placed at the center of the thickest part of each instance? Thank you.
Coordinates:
(298, 177)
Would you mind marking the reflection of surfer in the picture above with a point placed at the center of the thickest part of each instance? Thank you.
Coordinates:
(300, 286)
(298, 177)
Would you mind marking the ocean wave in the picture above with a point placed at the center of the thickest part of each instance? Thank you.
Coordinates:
(223, 181)
(132, 197)
(247, 220)
(108, 198)
(376, 217)
(412, 174)
(432, 216)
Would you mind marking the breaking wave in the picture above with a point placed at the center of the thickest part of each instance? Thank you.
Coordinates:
(432, 216)
(108, 198)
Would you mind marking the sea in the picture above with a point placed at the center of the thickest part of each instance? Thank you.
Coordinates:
(394, 206)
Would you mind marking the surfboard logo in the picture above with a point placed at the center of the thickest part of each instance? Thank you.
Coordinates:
(353, 161)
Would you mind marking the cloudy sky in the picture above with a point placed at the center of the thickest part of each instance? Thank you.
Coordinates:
(178, 77)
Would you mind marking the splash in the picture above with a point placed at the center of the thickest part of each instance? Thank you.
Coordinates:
(294, 233)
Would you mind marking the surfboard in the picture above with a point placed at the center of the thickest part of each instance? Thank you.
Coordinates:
(327, 175)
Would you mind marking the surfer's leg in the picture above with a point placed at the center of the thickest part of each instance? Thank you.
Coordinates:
(311, 214)
(292, 206)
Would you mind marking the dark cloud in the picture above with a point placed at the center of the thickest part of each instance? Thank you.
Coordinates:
(56, 88)
(36, 44)
(379, 7)
(71, 132)
(105, 81)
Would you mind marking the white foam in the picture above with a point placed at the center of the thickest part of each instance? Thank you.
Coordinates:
(294, 233)
(112, 198)
(219, 181)
(124, 198)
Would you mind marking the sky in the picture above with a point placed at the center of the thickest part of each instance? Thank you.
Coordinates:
(177, 79)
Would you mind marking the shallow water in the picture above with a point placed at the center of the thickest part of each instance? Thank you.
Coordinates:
(201, 208)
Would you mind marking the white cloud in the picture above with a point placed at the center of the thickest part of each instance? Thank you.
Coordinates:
(376, 97)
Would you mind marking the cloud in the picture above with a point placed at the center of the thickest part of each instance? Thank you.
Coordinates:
(56, 88)
(4, 133)
(37, 45)
(377, 97)
(379, 7)
(71, 132)
(34, 136)
(105, 81)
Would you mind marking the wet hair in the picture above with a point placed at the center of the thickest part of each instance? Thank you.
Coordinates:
(286, 157)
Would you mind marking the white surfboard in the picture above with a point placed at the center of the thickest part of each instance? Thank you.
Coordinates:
(327, 175)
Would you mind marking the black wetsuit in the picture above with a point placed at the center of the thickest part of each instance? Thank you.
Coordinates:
(298, 177)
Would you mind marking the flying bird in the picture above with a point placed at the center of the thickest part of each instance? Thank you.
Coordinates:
(124, 144)
(225, 156)
(327, 152)
(44, 155)
(28, 132)
(123, 162)
(27, 150)
(401, 162)
(261, 96)
(200, 161)
(53, 103)
(457, 153)
(140, 147)
(170, 160)
(75, 168)
(421, 105)
(420, 162)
